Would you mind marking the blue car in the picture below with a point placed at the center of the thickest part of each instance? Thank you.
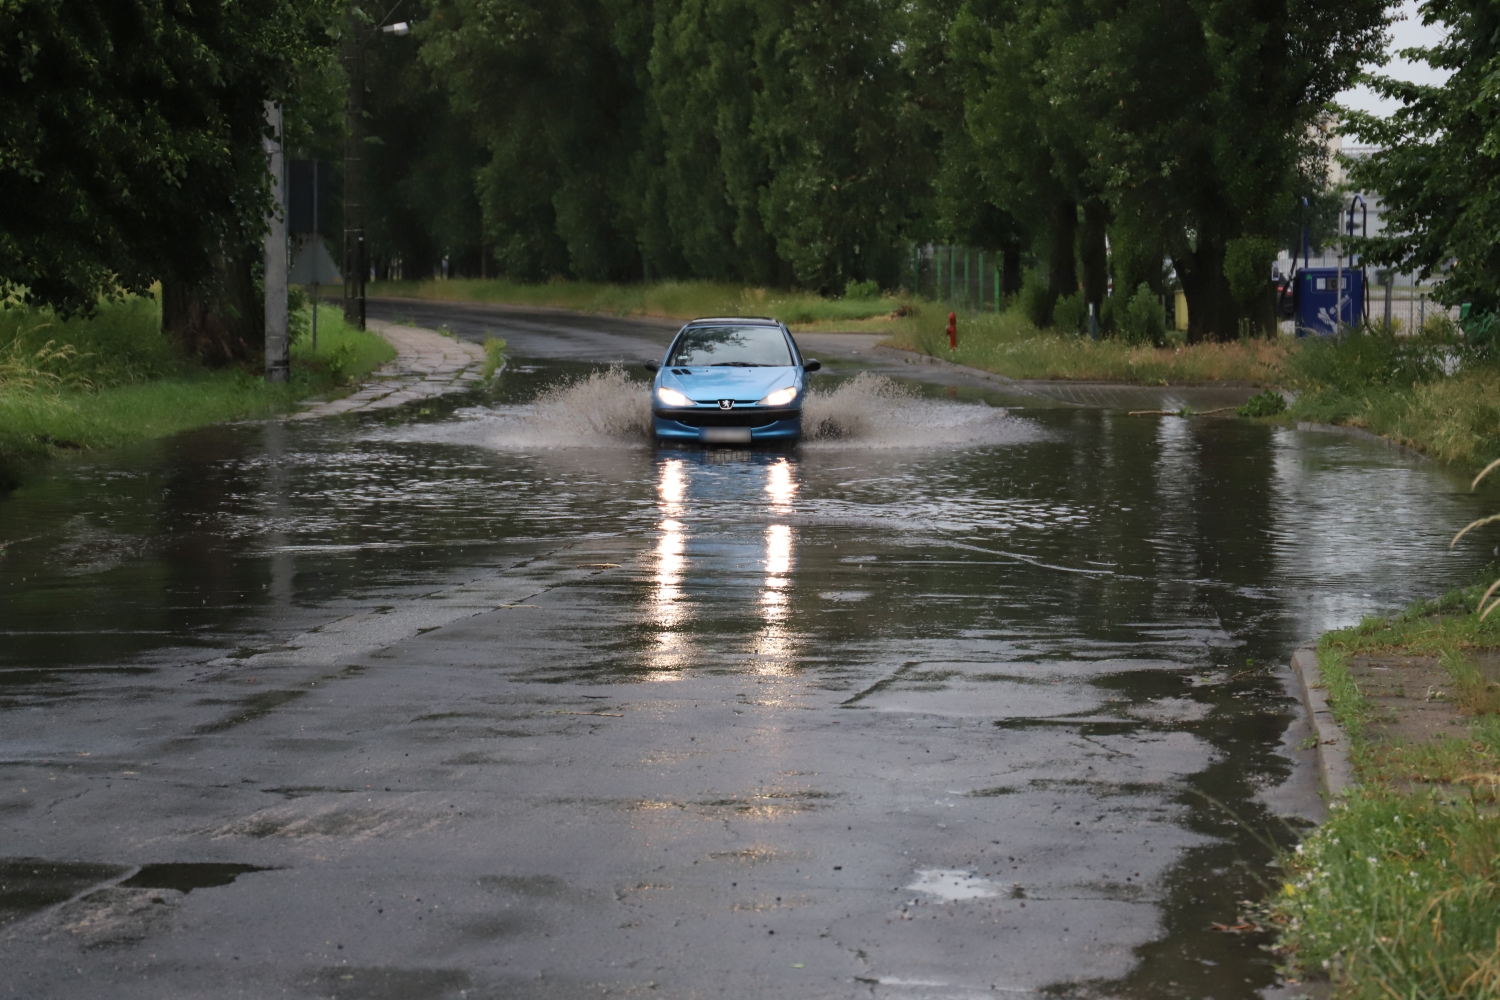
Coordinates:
(730, 381)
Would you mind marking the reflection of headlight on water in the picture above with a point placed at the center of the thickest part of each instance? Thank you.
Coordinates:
(774, 646)
(778, 554)
(672, 397)
(779, 484)
(672, 486)
(780, 397)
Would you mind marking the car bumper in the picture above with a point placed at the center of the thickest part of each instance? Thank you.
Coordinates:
(738, 426)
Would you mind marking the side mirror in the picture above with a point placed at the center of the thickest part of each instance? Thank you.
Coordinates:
(652, 366)
(811, 365)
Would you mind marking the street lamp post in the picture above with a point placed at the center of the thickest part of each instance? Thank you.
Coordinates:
(356, 267)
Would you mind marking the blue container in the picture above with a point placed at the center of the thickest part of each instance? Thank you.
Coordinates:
(1314, 293)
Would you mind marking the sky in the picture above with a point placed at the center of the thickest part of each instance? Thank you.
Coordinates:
(1405, 33)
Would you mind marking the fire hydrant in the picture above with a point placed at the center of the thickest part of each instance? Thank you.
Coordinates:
(952, 331)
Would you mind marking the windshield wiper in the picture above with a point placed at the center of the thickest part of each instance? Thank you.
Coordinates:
(738, 364)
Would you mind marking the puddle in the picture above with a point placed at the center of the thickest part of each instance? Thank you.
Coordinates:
(29, 885)
(953, 884)
(1019, 601)
(187, 876)
(352, 983)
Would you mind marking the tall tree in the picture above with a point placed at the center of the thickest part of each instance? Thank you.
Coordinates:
(1187, 124)
(550, 90)
(1030, 152)
(1438, 166)
(844, 134)
(132, 152)
(1209, 124)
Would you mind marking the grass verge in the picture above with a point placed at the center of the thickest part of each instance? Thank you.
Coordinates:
(1427, 392)
(83, 384)
(674, 299)
(1005, 343)
(1398, 893)
(1008, 344)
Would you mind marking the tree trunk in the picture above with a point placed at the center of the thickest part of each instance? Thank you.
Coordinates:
(1062, 268)
(1212, 314)
(220, 322)
(1010, 269)
(1092, 252)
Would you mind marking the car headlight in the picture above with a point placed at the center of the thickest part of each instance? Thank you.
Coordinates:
(780, 397)
(672, 397)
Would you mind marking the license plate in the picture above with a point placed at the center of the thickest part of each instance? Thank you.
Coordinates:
(725, 435)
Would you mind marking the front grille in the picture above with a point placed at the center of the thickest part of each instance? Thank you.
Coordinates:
(728, 418)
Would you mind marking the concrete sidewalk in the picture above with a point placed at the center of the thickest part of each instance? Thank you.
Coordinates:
(427, 364)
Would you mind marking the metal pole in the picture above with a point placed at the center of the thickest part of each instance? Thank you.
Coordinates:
(354, 140)
(1338, 287)
(277, 362)
(952, 272)
(967, 301)
(997, 286)
(979, 283)
(317, 239)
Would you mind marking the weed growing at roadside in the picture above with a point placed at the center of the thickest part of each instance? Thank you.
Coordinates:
(494, 356)
(1398, 896)
(1263, 404)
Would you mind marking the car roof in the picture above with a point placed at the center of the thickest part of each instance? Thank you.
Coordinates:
(749, 320)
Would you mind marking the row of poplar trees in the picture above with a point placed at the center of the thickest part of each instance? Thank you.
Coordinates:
(811, 142)
(778, 142)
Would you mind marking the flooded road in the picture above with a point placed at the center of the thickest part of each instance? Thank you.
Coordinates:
(972, 694)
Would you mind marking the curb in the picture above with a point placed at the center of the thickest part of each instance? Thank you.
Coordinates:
(1333, 746)
(1363, 435)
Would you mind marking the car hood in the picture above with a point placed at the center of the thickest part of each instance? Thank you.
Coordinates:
(729, 383)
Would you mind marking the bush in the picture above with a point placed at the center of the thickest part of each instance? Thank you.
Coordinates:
(1265, 404)
(1071, 314)
(120, 344)
(1143, 320)
(862, 291)
(1033, 299)
(1364, 357)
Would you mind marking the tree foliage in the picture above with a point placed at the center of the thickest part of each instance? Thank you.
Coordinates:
(769, 141)
(131, 151)
(1438, 168)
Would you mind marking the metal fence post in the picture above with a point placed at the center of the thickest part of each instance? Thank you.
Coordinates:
(979, 283)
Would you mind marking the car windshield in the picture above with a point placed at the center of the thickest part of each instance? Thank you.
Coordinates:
(739, 346)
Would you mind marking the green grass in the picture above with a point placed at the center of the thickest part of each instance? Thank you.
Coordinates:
(1008, 344)
(1398, 893)
(1399, 896)
(123, 382)
(1401, 388)
(674, 299)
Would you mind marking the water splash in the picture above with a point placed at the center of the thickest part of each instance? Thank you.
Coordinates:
(603, 409)
(872, 411)
(606, 409)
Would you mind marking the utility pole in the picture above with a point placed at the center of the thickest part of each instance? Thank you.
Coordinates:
(353, 55)
(278, 361)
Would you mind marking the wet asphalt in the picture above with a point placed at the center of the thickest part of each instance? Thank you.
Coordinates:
(404, 707)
